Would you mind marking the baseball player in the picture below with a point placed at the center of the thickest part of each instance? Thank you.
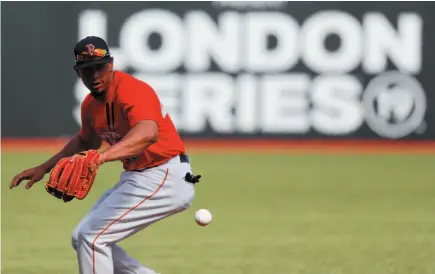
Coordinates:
(157, 180)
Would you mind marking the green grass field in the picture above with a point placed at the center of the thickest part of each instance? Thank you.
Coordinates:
(273, 214)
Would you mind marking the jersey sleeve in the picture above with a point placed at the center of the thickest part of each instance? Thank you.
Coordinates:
(86, 127)
(141, 103)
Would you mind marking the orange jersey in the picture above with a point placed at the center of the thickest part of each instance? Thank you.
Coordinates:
(127, 102)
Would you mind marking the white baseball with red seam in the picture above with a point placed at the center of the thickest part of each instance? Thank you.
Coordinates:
(203, 217)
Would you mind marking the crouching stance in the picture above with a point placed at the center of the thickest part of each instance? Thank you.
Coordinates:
(157, 180)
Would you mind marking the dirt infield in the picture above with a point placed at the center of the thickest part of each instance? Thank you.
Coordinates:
(256, 146)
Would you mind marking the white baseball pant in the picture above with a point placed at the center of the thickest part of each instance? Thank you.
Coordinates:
(139, 199)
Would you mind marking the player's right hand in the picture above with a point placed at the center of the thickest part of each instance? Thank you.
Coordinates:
(33, 175)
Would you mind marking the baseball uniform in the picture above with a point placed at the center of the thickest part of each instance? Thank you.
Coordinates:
(153, 190)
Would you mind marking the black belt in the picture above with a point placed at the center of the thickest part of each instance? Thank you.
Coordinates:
(184, 158)
(189, 177)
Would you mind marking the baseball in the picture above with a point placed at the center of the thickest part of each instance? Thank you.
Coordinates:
(203, 217)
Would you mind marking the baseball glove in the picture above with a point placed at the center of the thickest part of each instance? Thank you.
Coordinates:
(72, 177)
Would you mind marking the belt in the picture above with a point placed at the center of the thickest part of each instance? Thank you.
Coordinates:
(184, 158)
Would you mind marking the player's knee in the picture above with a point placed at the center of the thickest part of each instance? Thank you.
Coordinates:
(84, 235)
(75, 238)
(74, 242)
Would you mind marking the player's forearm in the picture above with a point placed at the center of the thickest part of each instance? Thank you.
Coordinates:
(74, 146)
(134, 142)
